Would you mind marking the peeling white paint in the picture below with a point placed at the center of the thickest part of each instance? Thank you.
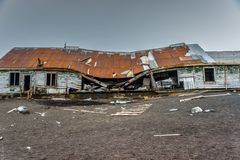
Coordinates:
(65, 80)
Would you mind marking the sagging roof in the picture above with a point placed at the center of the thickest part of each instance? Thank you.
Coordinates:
(102, 64)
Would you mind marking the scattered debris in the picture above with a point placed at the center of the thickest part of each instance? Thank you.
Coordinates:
(87, 111)
(23, 110)
(125, 114)
(133, 111)
(150, 97)
(217, 95)
(194, 93)
(166, 135)
(119, 96)
(191, 98)
(209, 110)
(145, 97)
(120, 102)
(60, 99)
(101, 108)
(1, 137)
(12, 125)
(58, 122)
(196, 110)
(88, 99)
(28, 148)
(14, 109)
(173, 109)
(203, 96)
(41, 114)
(69, 109)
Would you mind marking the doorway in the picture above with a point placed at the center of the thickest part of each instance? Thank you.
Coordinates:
(27, 82)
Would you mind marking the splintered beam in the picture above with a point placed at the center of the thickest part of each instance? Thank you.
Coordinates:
(134, 79)
(95, 81)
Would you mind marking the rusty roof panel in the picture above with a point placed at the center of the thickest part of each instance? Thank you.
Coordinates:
(95, 63)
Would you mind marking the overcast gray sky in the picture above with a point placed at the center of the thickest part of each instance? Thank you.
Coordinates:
(119, 25)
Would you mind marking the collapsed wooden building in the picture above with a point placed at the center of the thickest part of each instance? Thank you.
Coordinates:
(72, 70)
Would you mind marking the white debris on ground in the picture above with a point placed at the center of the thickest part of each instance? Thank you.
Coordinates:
(204, 96)
(196, 110)
(97, 112)
(23, 109)
(191, 98)
(20, 109)
(120, 102)
(58, 122)
(88, 99)
(209, 110)
(199, 110)
(173, 109)
(60, 99)
(41, 114)
(28, 148)
(166, 135)
(14, 109)
(101, 108)
(1, 137)
(72, 110)
(133, 111)
(193, 93)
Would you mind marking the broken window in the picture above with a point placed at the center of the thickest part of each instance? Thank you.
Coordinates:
(209, 74)
(14, 79)
(51, 79)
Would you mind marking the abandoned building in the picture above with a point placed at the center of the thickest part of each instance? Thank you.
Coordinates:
(72, 70)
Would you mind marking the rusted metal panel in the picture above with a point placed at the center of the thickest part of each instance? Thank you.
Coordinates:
(97, 63)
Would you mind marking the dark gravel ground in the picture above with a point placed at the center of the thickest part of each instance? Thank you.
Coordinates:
(98, 135)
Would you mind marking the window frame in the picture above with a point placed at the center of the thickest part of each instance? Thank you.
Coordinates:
(214, 74)
(51, 73)
(14, 81)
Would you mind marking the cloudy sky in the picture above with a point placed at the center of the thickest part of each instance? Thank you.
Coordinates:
(119, 25)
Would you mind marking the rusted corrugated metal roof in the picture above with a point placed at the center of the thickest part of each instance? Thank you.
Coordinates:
(97, 63)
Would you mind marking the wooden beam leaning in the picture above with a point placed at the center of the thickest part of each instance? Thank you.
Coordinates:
(130, 81)
(95, 81)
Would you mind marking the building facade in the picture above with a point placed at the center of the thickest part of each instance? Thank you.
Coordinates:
(71, 70)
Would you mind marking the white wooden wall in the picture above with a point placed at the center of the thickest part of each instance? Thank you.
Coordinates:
(225, 77)
(65, 80)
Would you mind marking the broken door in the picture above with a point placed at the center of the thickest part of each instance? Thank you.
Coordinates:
(27, 82)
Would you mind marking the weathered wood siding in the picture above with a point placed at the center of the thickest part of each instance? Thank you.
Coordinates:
(65, 80)
(5, 83)
(225, 77)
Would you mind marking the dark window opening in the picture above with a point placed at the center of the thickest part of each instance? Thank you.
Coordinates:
(209, 74)
(51, 79)
(14, 79)
(48, 79)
